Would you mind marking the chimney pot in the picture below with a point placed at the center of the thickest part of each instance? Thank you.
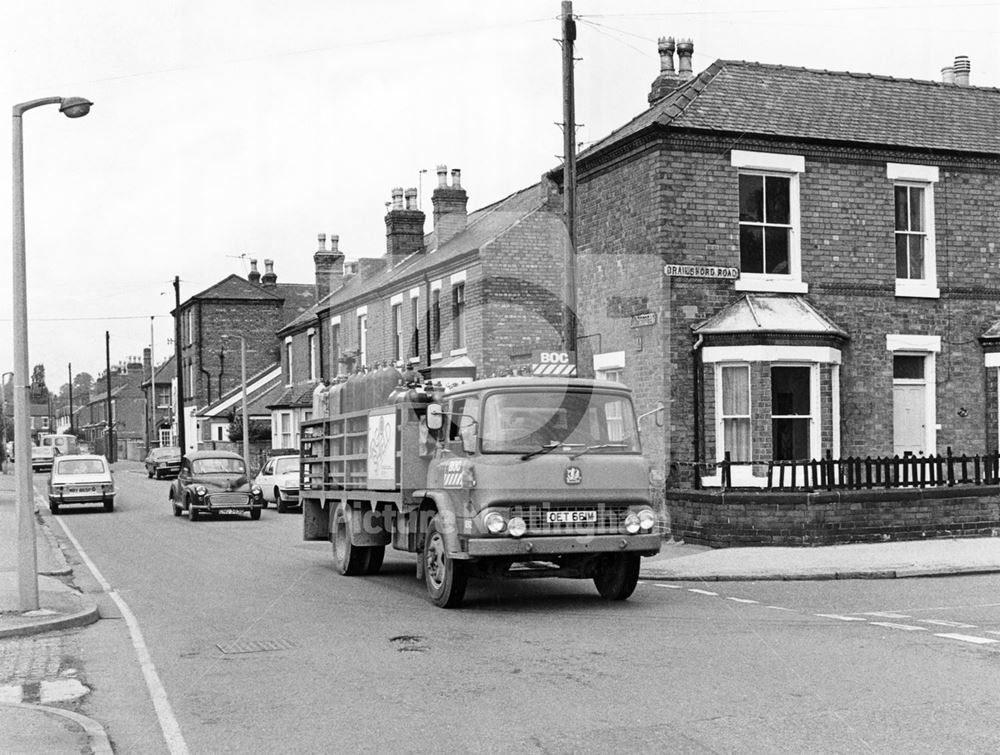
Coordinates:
(666, 48)
(962, 68)
(442, 171)
(322, 242)
(397, 198)
(947, 75)
(334, 243)
(254, 275)
(456, 178)
(411, 199)
(268, 278)
(685, 49)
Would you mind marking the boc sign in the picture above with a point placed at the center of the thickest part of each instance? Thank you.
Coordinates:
(561, 363)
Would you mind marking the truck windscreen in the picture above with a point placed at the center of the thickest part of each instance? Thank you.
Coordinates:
(523, 421)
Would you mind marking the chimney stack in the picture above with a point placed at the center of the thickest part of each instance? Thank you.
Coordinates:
(268, 279)
(450, 202)
(404, 226)
(962, 68)
(254, 275)
(147, 363)
(329, 266)
(669, 79)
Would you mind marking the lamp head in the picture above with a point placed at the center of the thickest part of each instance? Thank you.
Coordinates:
(74, 107)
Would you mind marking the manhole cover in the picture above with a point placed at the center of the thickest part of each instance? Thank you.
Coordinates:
(254, 646)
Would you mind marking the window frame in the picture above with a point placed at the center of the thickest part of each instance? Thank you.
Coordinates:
(776, 165)
(813, 452)
(922, 177)
(397, 331)
(720, 415)
(458, 318)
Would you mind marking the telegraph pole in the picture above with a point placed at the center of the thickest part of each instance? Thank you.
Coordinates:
(69, 366)
(110, 450)
(179, 408)
(569, 180)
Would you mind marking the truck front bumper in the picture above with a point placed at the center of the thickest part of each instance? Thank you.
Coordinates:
(535, 547)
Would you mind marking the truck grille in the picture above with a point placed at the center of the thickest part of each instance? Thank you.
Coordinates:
(609, 518)
(229, 499)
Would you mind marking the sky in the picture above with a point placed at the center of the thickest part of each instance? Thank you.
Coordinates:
(224, 130)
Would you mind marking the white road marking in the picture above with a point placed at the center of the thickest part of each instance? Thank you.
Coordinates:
(781, 608)
(839, 617)
(168, 722)
(990, 631)
(701, 592)
(743, 600)
(904, 627)
(669, 587)
(943, 623)
(887, 615)
(968, 638)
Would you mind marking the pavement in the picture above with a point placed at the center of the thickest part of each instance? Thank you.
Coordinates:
(40, 728)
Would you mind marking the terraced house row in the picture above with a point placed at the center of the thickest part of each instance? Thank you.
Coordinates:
(793, 261)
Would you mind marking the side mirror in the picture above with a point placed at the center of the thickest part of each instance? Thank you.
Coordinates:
(434, 417)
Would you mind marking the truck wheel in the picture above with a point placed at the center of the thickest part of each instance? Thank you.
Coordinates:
(618, 576)
(376, 554)
(445, 578)
(350, 560)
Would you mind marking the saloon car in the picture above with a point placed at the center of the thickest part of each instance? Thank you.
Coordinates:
(278, 480)
(42, 457)
(162, 462)
(81, 479)
(214, 482)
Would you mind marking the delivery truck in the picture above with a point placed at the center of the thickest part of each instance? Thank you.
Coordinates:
(500, 478)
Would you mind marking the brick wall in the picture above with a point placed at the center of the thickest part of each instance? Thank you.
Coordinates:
(739, 518)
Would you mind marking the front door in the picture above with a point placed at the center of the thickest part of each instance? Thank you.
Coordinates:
(909, 420)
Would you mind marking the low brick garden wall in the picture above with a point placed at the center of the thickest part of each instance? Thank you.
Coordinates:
(727, 518)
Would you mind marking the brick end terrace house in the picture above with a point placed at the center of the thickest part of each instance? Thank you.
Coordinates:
(252, 307)
(476, 296)
(858, 216)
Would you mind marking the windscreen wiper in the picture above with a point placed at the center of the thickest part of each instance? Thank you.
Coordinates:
(550, 446)
(599, 446)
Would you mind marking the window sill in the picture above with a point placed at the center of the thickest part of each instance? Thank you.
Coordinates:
(458, 352)
(435, 355)
(917, 289)
(742, 477)
(771, 285)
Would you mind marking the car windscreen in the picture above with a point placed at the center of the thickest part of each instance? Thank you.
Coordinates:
(80, 466)
(523, 421)
(286, 464)
(217, 466)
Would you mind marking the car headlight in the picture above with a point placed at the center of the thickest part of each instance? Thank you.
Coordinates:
(517, 526)
(632, 523)
(647, 519)
(256, 492)
(494, 522)
(200, 490)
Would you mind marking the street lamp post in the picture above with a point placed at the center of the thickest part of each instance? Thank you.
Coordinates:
(27, 558)
(246, 417)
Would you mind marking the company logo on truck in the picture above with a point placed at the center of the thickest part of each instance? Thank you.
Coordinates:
(573, 476)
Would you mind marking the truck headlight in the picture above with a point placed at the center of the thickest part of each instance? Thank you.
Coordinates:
(632, 523)
(516, 527)
(647, 519)
(494, 522)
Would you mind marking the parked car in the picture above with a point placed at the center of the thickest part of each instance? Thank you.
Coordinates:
(42, 457)
(163, 461)
(278, 479)
(214, 482)
(81, 478)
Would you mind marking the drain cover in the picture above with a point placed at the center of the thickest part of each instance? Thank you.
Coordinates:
(254, 646)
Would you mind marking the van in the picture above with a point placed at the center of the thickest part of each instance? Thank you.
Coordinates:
(64, 444)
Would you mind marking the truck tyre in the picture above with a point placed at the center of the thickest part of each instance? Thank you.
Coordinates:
(445, 578)
(376, 554)
(350, 560)
(618, 576)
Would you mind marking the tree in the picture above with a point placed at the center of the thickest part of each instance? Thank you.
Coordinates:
(260, 430)
(39, 391)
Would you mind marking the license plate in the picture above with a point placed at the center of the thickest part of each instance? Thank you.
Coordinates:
(83, 490)
(571, 517)
(230, 511)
